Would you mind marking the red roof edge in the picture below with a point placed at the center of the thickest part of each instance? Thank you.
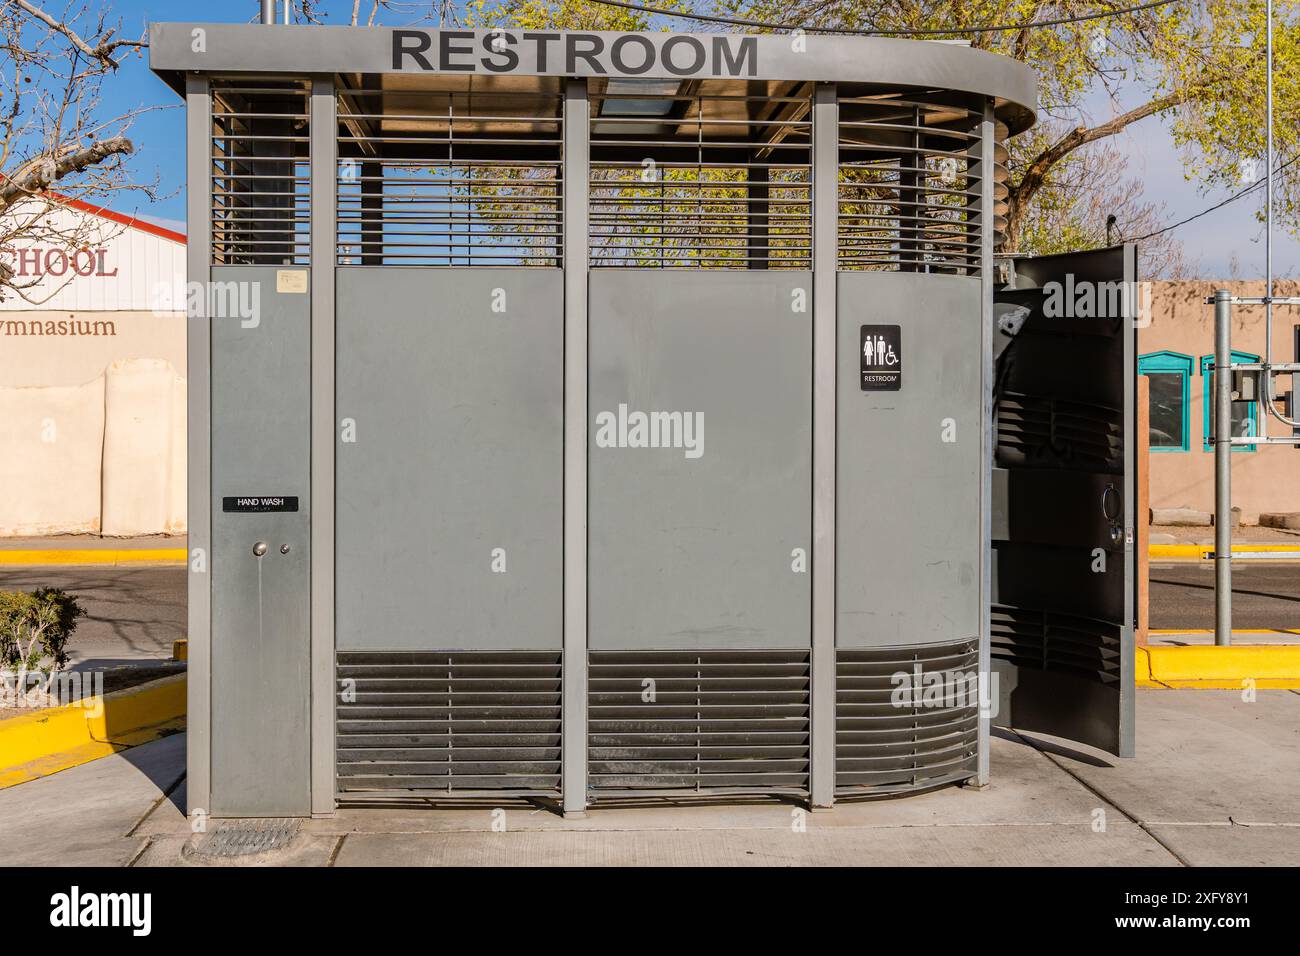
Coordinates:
(130, 221)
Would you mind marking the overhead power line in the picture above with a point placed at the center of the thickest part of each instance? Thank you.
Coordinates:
(1218, 205)
(846, 31)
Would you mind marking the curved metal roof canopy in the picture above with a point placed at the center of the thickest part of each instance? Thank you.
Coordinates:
(176, 48)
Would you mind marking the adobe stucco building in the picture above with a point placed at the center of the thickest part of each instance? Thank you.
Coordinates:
(1174, 351)
(92, 379)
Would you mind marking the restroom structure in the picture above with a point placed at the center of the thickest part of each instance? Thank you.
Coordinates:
(594, 415)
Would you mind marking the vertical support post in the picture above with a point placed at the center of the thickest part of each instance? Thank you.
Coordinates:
(1222, 468)
(576, 179)
(1142, 480)
(986, 215)
(825, 229)
(324, 170)
(198, 361)
(911, 193)
(758, 193)
(1127, 657)
(371, 252)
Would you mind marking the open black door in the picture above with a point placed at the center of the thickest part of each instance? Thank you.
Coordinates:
(1063, 567)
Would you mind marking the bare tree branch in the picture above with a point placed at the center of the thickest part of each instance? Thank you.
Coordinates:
(40, 173)
(102, 51)
(1040, 167)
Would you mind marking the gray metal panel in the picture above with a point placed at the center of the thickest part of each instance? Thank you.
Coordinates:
(312, 49)
(577, 175)
(458, 453)
(198, 248)
(261, 443)
(696, 553)
(908, 525)
(324, 133)
(826, 154)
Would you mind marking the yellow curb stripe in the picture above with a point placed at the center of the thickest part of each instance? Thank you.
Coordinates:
(114, 556)
(1142, 666)
(46, 741)
(1262, 684)
(1268, 666)
(1207, 630)
(1199, 550)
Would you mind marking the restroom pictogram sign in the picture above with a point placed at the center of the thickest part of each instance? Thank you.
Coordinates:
(880, 351)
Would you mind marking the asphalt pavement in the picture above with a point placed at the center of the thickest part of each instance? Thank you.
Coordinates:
(1264, 596)
(133, 614)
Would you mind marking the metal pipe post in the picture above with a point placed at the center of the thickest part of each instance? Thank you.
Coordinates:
(1222, 468)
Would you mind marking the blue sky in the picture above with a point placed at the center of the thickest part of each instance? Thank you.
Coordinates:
(1210, 243)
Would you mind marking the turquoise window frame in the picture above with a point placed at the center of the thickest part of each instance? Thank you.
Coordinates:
(1206, 406)
(1173, 363)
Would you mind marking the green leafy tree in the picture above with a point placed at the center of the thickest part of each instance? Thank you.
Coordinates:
(1197, 66)
(1194, 68)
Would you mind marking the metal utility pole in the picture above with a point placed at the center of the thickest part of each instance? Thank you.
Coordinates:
(1262, 372)
(1222, 468)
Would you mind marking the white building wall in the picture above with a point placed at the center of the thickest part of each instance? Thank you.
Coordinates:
(92, 384)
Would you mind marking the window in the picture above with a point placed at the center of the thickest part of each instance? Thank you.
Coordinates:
(1244, 414)
(1170, 376)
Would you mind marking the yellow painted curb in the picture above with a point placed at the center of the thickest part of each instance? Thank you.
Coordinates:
(1142, 668)
(1263, 666)
(1198, 551)
(113, 556)
(1235, 630)
(46, 741)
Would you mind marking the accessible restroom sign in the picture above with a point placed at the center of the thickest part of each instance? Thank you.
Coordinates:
(880, 351)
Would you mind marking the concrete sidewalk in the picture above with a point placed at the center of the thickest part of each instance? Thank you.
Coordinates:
(1214, 783)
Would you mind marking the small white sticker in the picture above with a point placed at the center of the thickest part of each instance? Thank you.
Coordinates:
(293, 281)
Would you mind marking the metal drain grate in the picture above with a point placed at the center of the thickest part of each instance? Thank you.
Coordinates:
(246, 837)
(886, 742)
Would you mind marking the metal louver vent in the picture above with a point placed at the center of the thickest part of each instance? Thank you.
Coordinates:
(261, 173)
(1049, 641)
(911, 182)
(449, 171)
(455, 721)
(1054, 433)
(698, 720)
(898, 733)
(701, 175)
